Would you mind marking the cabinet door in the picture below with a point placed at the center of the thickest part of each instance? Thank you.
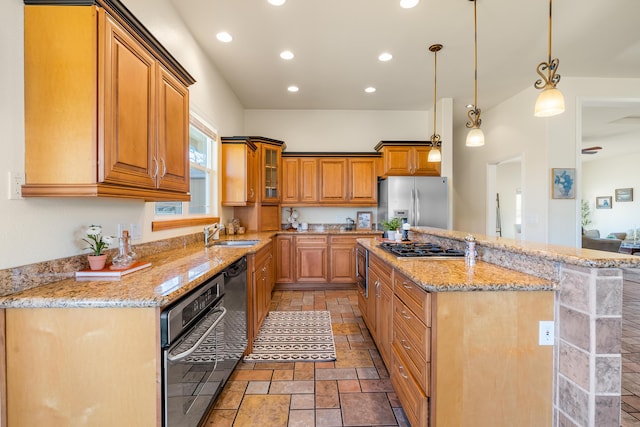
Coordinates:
(311, 259)
(308, 180)
(333, 180)
(421, 165)
(384, 321)
(251, 174)
(238, 174)
(342, 259)
(270, 168)
(374, 285)
(397, 161)
(129, 79)
(173, 133)
(285, 269)
(290, 180)
(363, 183)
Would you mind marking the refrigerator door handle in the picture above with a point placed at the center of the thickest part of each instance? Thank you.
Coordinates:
(417, 207)
(412, 210)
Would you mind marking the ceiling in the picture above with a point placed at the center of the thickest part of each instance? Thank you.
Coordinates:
(336, 44)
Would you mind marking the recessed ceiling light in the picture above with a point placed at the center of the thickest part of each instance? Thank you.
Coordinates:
(370, 89)
(408, 4)
(293, 88)
(384, 57)
(286, 54)
(277, 2)
(224, 37)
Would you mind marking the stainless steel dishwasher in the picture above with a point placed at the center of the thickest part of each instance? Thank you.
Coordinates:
(203, 336)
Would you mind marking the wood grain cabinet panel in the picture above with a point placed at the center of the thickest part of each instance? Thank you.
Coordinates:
(312, 259)
(239, 164)
(115, 122)
(333, 180)
(407, 159)
(285, 259)
(363, 185)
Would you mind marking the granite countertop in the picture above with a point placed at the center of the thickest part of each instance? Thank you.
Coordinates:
(172, 274)
(447, 275)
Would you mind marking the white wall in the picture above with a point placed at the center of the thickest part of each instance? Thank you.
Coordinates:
(39, 229)
(511, 129)
(601, 178)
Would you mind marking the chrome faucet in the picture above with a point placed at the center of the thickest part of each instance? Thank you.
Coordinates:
(211, 232)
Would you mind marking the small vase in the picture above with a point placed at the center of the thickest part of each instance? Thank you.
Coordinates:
(97, 262)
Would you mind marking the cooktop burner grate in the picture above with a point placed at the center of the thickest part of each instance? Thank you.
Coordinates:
(420, 250)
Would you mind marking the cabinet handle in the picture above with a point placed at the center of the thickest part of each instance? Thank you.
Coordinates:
(252, 193)
(155, 171)
(405, 315)
(404, 285)
(402, 374)
(164, 168)
(404, 344)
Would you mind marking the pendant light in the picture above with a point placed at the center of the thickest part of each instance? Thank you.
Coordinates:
(475, 137)
(434, 154)
(550, 102)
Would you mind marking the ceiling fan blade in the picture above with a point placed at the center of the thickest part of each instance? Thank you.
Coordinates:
(591, 150)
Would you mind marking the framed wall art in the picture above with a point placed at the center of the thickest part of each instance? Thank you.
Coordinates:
(624, 194)
(563, 183)
(603, 202)
(363, 220)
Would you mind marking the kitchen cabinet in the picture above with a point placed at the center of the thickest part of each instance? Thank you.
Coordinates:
(63, 361)
(379, 289)
(285, 265)
(115, 122)
(407, 158)
(239, 172)
(333, 178)
(261, 268)
(264, 214)
(342, 259)
(311, 259)
(299, 181)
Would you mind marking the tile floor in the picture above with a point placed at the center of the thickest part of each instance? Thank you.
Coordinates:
(352, 391)
(631, 350)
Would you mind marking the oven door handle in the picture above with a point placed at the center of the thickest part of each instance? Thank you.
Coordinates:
(188, 352)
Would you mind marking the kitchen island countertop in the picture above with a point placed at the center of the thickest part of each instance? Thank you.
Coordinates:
(447, 275)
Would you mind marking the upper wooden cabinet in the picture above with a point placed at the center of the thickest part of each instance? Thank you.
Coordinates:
(332, 178)
(407, 158)
(239, 172)
(270, 174)
(115, 120)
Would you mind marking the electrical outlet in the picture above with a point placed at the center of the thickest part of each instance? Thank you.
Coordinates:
(546, 332)
(16, 180)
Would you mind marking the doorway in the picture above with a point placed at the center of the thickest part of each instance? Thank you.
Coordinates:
(505, 199)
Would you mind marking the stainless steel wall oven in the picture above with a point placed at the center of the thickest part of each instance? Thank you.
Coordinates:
(203, 336)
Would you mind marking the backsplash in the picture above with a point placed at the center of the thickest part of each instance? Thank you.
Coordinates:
(29, 276)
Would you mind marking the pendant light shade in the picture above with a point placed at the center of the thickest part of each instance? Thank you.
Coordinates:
(550, 102)
(475, 137)
(434, 154)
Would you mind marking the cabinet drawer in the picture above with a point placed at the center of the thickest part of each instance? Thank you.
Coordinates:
(343, 240)
(412, 328)
(415, 298)
(414, 402)
(384, 270)
(311, 240)
(412, 355)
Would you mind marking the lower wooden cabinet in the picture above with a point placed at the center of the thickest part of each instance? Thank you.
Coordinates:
(262, 273)
(316, 258)
(311, 259)
(414, 402)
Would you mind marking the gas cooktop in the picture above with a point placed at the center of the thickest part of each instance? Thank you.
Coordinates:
(420, 250)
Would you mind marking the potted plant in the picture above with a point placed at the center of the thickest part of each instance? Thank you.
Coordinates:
(97, 244)
(393, 224)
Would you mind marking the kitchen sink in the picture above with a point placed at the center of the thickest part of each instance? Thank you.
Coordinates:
(234, 243)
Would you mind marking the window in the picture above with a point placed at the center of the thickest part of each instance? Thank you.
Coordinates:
(203, 159)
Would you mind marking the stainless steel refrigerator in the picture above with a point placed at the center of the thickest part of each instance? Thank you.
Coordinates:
(422, 200)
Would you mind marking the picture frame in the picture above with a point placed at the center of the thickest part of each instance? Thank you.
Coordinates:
(624, 194)
(603, 202)
(364, 221)
(563, 183)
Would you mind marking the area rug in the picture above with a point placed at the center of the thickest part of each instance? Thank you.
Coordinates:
(294, 336)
